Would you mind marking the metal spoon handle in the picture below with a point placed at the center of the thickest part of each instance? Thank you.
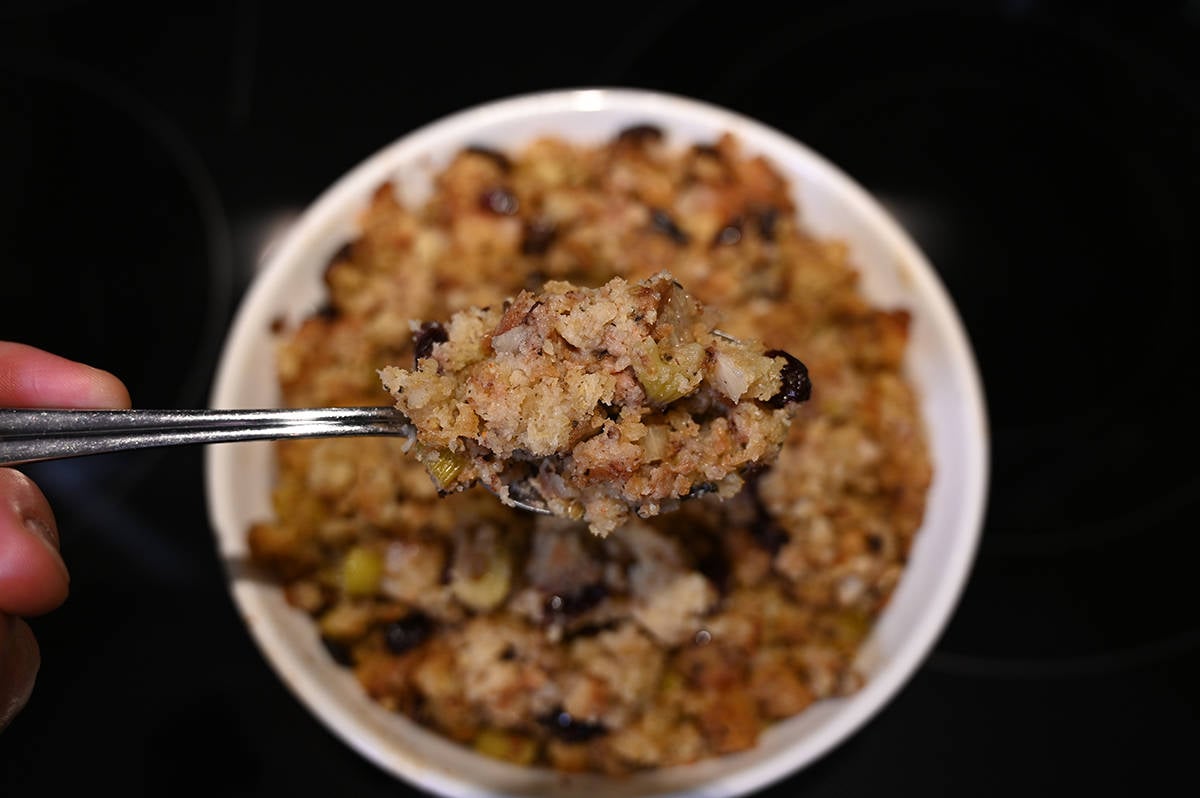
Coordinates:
(32, 435)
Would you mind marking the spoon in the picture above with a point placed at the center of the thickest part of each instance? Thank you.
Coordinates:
(35, 435)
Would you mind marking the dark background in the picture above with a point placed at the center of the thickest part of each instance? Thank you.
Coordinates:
(1045, 155)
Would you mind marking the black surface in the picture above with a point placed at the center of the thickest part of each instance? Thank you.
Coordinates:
(1046, 157)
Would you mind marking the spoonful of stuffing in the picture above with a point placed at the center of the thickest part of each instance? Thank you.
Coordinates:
(596, 403)
(588, 403)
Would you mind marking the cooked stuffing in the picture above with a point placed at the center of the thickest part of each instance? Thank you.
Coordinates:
(677, 636)
(596, 403)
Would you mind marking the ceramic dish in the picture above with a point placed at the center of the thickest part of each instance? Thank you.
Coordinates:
(895, 273)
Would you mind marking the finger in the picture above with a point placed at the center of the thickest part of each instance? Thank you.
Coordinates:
(30, 377)
(33, 577)
(19, 660)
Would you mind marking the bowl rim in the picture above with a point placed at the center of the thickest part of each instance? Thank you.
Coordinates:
(359, 181)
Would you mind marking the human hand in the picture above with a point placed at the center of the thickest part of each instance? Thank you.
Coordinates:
(33, 577)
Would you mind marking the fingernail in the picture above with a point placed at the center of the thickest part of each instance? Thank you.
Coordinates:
(48, 535)
(43, 530)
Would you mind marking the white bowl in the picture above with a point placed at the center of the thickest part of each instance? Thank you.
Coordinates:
(894, 272)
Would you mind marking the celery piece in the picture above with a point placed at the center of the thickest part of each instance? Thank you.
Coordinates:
(362, 571)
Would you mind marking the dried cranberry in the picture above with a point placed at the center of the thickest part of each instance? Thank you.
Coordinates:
(640, 135)
(729, 234)
(588, 630)
(539, 235)
(338, 651)
(769, 534)
(570, 729)
(500, 159)
(797, 387)
(430, 333)
(767, 220)
(577, 601)
(500, 201)
(662, 222)
(407, 633)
